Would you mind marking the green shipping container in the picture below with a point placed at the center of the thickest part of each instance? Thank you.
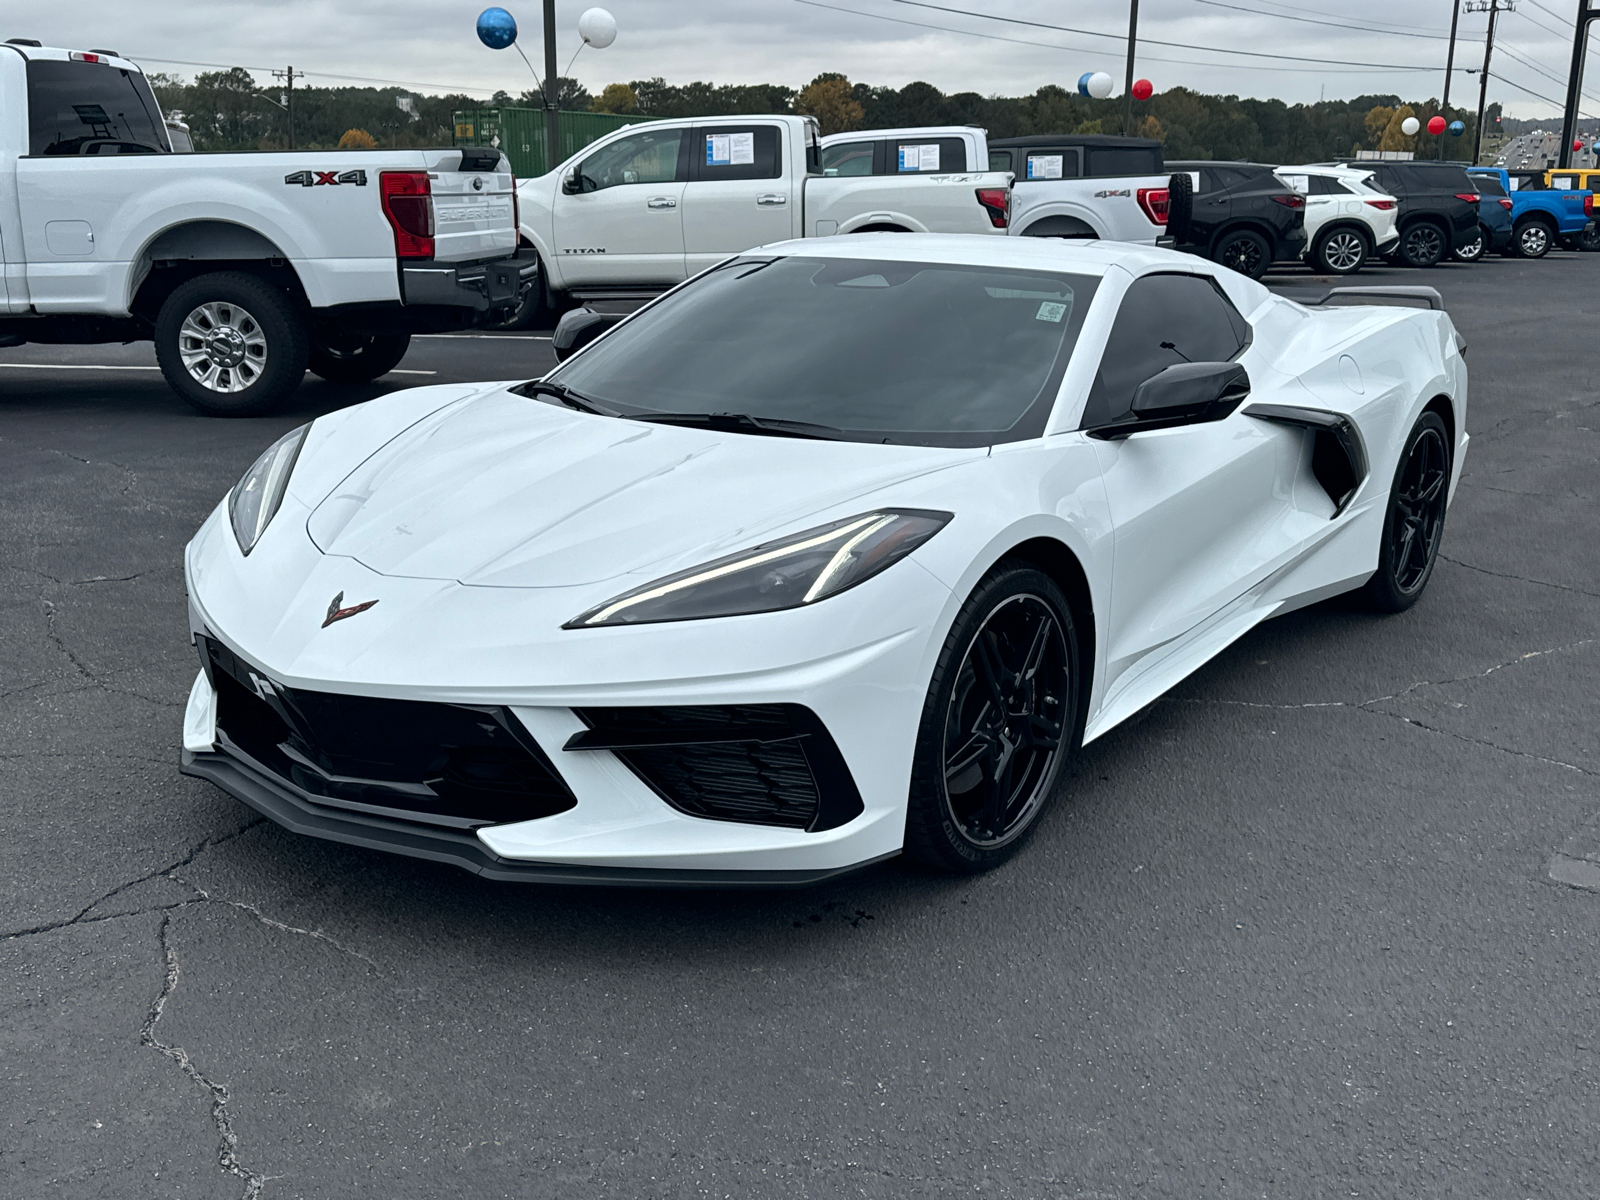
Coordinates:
(519, 133)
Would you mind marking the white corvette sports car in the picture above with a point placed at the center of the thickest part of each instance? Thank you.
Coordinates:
(838, 550)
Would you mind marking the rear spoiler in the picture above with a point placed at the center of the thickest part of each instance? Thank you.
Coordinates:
(1381, 294)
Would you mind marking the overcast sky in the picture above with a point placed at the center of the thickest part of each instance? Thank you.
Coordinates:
(430, 45)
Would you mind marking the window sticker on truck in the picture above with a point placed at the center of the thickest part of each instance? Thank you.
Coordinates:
(317, 178)
(922, 157)
(730, 149)
(1044, 166)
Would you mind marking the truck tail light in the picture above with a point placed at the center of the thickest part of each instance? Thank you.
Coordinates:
(1291, 200)
(1469, 197)
(1505, 203)
(1385, 205)
(408, 203)
(1156, 203)
(1588, 204)
(997, 203)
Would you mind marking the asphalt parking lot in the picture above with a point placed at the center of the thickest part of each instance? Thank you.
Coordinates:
(1324, 921)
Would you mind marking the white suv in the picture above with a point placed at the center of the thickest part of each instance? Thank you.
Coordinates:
(1347, 218)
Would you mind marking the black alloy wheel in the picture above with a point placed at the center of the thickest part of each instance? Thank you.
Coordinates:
(1474, 250)
(1532, 240)
(1000, 720)
(1422, 245)
(1342, 252)
(1589, 239)
(1414, 522)
(1246, 252)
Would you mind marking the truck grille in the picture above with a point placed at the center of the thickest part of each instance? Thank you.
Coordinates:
(442, 764)
(755, 764)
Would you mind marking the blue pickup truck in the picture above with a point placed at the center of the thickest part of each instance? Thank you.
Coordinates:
(1540, 215)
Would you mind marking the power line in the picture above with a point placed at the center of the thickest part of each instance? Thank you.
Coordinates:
(1156, 41)
(1392, 27)
(992, 37)
(183, 62)
(1438, 37)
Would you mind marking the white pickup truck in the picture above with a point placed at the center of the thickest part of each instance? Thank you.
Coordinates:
(244, 269)
(651, 205)
(1066, 185)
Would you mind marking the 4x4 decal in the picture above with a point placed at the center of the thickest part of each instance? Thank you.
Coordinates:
(316, 178)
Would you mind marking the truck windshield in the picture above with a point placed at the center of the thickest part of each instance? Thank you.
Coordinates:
(91, 108)
(913, 353)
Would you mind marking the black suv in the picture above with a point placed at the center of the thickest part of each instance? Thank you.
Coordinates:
(1243, 216)
(1438, 207)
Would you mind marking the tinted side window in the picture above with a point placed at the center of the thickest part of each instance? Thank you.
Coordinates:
(926, 156)
(1322, 185)
(1051, 164)
(1488, 185)
(847, 158)
(737, 152)
(1000, 160)
(1164, 319)
(639, 158)
(90, 108)
(1123, 160)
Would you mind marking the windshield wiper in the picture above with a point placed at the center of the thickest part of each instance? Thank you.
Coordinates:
(743, 423)
(541, 387)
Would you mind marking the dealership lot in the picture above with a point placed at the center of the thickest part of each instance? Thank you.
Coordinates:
(1321, 921)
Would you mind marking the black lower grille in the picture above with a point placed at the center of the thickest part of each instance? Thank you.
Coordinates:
(757, 764)
(444, 764)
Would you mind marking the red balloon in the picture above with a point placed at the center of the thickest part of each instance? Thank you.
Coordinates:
(1577, 145)
(1436, 125)
(1143, 89)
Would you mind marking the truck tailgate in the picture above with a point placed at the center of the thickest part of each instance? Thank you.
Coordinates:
(923, 203)
(472, 216)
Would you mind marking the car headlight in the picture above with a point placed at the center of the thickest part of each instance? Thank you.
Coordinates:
(255, 498)
(787, 573)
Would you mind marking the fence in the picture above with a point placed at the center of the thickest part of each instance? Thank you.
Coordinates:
(519, 133)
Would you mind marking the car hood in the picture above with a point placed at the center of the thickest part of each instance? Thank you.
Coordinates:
(503, 490)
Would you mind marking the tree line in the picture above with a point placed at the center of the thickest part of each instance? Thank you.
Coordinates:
(230, 110)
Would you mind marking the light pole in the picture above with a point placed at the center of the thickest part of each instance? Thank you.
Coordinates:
(1494, 8)
(1580, 44)
(552, 115)
(1127, 87)
(1449, 65)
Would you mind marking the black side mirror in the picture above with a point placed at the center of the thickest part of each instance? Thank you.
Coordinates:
(1183, 394)
(578, 328)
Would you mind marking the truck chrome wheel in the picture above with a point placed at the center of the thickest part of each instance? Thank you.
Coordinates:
(223, 347)
(1533, 240)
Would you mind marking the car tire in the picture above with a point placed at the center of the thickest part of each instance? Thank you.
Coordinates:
(1413, 521)
(1341, 251)
(1474, 250)
(1244, 251)
(231, 344)
(1532, 239)
(1589, 240)
(357, 357)
(1422, 245)
(999, 723)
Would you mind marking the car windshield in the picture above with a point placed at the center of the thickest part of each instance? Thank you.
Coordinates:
(918, 353)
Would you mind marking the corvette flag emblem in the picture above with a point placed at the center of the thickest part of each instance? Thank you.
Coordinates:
(335, 613)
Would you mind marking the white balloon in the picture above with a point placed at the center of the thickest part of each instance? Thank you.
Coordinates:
(597, 28)
(1410, 126)
(1099, 85)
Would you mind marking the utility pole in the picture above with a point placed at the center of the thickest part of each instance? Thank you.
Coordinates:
(1449, 65)
(1494, 8)
(1580, 44)
(288, 107)
(1127, 89)
(552, 115)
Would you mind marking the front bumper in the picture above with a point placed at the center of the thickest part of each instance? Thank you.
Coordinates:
(298, 812)
(480, 286)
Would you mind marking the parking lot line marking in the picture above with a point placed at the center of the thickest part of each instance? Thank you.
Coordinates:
(398, 371)
(73, 367)
(493, 337)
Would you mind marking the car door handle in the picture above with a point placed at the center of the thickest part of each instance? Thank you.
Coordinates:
(771, 198)
(661, 202)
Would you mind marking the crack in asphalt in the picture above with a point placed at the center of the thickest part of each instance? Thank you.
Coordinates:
(1367, 706)
(1519, 578)
(227, 1140)
(271, 922)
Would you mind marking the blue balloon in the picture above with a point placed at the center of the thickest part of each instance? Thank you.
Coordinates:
(1595, 147)
(1083, 83)
(1457, 128)
(497, 28)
